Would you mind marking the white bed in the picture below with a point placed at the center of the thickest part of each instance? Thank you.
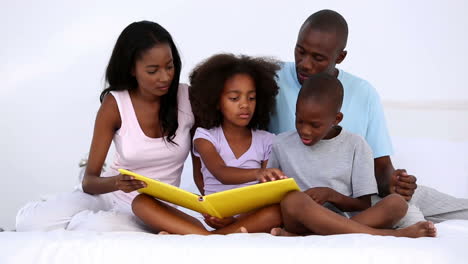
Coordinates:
(437, 163)
(451, 246)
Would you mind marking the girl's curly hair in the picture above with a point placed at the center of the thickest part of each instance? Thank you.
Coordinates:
(207, 83)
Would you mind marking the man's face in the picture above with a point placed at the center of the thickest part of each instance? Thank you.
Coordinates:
(316, 52)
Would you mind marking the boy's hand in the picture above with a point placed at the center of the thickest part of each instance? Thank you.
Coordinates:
(218, 223)
(128, 183)
(403, 184)
(321, 195)
(264, 175)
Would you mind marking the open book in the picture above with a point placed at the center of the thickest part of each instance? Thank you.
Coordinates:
(220, 204)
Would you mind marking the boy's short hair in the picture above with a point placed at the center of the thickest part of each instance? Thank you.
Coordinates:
(323, 88)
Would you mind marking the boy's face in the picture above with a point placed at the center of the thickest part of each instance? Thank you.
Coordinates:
(315, 121)
(316, 52)
(238, 100)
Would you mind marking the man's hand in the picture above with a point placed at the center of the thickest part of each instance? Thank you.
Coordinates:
(265, 175)
(218, 223)
(321, 195)
(403, 184)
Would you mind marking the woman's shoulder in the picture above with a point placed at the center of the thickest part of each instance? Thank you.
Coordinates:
(109, 111)
(110, 101)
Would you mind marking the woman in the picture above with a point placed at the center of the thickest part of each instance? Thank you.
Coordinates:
(146, 112)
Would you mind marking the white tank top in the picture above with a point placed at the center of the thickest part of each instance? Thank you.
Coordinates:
(151, 157)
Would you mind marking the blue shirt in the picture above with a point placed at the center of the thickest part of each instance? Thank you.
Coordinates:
(362, 111)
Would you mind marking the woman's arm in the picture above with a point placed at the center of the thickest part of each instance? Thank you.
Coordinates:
(107, 122)
(231, 175)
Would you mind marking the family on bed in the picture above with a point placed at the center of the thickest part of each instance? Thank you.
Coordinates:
(332, 139)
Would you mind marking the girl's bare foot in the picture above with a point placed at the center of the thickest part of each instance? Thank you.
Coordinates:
(242, 230)
(278, 231)
(420, 229)
(163, 233)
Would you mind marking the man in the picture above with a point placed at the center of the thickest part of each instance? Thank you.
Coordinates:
(320, 46)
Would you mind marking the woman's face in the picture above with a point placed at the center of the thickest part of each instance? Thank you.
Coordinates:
(154, 71)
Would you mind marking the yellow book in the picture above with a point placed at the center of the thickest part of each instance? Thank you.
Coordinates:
(220, 204)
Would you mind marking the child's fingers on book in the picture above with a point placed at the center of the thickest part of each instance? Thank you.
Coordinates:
(278, 174)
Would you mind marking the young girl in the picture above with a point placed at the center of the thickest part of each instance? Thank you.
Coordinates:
(148, 116)
(232, 98)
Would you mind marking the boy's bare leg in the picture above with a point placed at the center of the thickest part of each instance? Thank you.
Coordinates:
(301, 212)
(259, 221)
(384, 214)
(162, 217)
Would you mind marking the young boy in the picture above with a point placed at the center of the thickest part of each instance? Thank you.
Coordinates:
(336, 169)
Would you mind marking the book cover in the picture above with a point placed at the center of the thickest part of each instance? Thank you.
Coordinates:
(220, 204)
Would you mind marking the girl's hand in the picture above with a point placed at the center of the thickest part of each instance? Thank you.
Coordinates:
(128, 183)
(321, 195)
(264, 175)
(218, 223)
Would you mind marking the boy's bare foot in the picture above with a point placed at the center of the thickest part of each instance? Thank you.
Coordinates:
(278, 231)
(163, 233)
(420, 229)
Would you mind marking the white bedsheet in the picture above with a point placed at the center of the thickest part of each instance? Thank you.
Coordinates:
(451, 246)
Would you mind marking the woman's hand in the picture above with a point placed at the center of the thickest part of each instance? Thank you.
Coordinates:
(265, 175)
(128, 183)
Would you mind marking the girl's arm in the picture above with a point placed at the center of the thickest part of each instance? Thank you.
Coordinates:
(342, 202)
(196, 165)
(231, 175)
(107, 122)
(197, 174)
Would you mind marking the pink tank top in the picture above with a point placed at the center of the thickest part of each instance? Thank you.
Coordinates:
(152, 157)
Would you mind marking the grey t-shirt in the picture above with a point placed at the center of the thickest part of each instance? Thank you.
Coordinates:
(343, 163)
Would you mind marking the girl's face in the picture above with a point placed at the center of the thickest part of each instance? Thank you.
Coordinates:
(238, 100)
(154, 71)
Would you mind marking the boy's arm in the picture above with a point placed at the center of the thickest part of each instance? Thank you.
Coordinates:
(230, 175)
(342, 202)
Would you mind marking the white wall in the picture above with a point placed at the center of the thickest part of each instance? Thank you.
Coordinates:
(54, 56)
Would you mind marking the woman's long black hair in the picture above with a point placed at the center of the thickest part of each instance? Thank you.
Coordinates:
(134, 40)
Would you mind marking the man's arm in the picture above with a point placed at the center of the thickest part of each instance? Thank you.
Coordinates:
(390, 180)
